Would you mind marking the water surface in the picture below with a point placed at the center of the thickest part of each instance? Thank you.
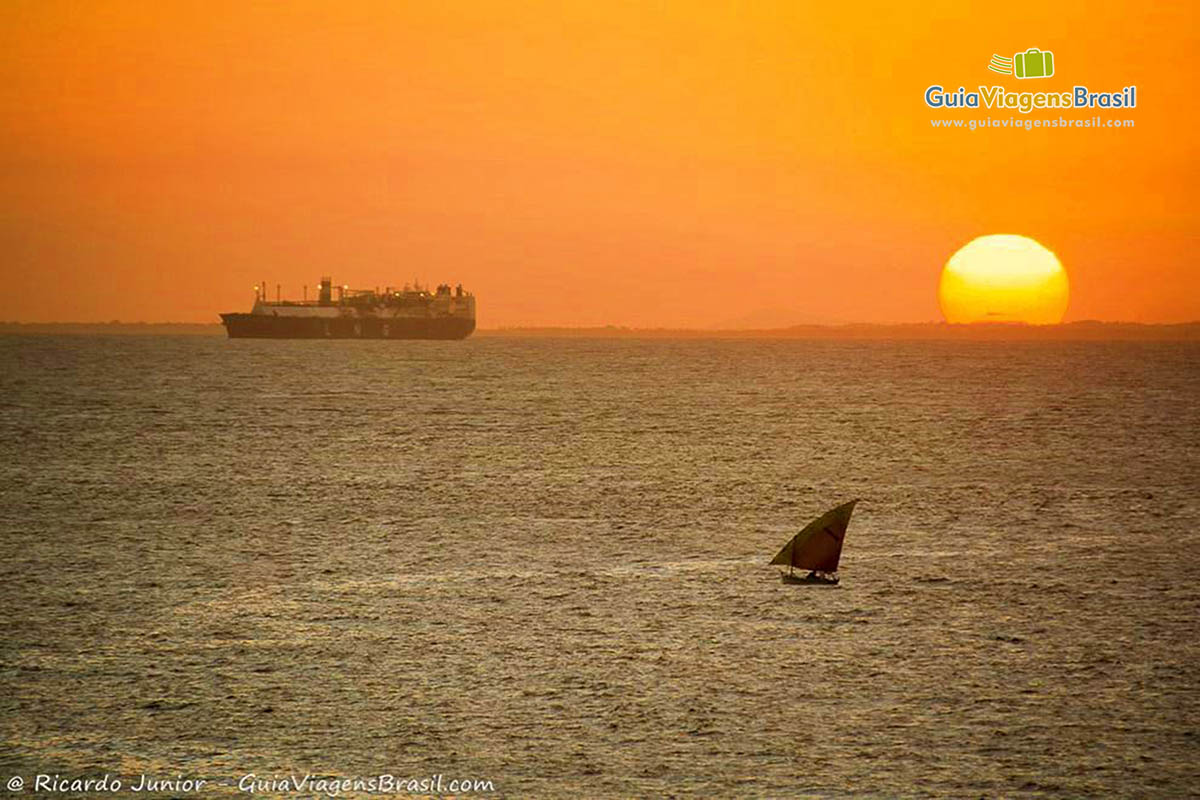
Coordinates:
(543, 563)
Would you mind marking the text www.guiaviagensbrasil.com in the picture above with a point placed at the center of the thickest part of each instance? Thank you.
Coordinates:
(1020, 123)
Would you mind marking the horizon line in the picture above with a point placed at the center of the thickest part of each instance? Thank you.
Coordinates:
(528, 326)
(1077, 329)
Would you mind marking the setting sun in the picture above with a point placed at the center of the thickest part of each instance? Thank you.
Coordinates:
(1004, 278)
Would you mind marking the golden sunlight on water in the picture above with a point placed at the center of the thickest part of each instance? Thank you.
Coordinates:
(545, 563)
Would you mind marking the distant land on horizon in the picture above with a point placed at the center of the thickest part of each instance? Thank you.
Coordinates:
(1075, 331)
(1083, 330)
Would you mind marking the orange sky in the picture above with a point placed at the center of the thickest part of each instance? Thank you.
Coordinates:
(646, 164)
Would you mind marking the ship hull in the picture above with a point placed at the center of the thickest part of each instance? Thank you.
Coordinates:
(267, 326)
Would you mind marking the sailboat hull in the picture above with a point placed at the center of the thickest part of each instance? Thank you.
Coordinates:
(804, 580)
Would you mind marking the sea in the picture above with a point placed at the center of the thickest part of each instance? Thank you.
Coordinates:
(539, 568)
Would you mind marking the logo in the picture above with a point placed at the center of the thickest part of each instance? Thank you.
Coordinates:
(1033, 63)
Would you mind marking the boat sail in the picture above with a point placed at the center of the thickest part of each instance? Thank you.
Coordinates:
(817, 548)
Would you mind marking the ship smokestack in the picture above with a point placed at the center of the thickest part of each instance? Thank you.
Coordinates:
(325, 297)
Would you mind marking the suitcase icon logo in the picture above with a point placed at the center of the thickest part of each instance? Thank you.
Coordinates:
(1033, 63)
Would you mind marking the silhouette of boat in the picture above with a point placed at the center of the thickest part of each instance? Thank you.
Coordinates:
(409, 313)
(817, 548)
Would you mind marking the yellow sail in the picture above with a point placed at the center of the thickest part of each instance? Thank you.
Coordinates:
(819, 545)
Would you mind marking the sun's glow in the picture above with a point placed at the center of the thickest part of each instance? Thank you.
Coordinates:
(1004, 278)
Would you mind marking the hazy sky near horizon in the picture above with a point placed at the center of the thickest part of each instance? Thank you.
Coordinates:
(630, 163)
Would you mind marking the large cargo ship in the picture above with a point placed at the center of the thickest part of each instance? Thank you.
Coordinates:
(408, 313)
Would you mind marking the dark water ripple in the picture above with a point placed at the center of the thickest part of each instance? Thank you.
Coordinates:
(543, 563)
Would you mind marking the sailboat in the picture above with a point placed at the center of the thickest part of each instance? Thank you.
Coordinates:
(817, 548)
